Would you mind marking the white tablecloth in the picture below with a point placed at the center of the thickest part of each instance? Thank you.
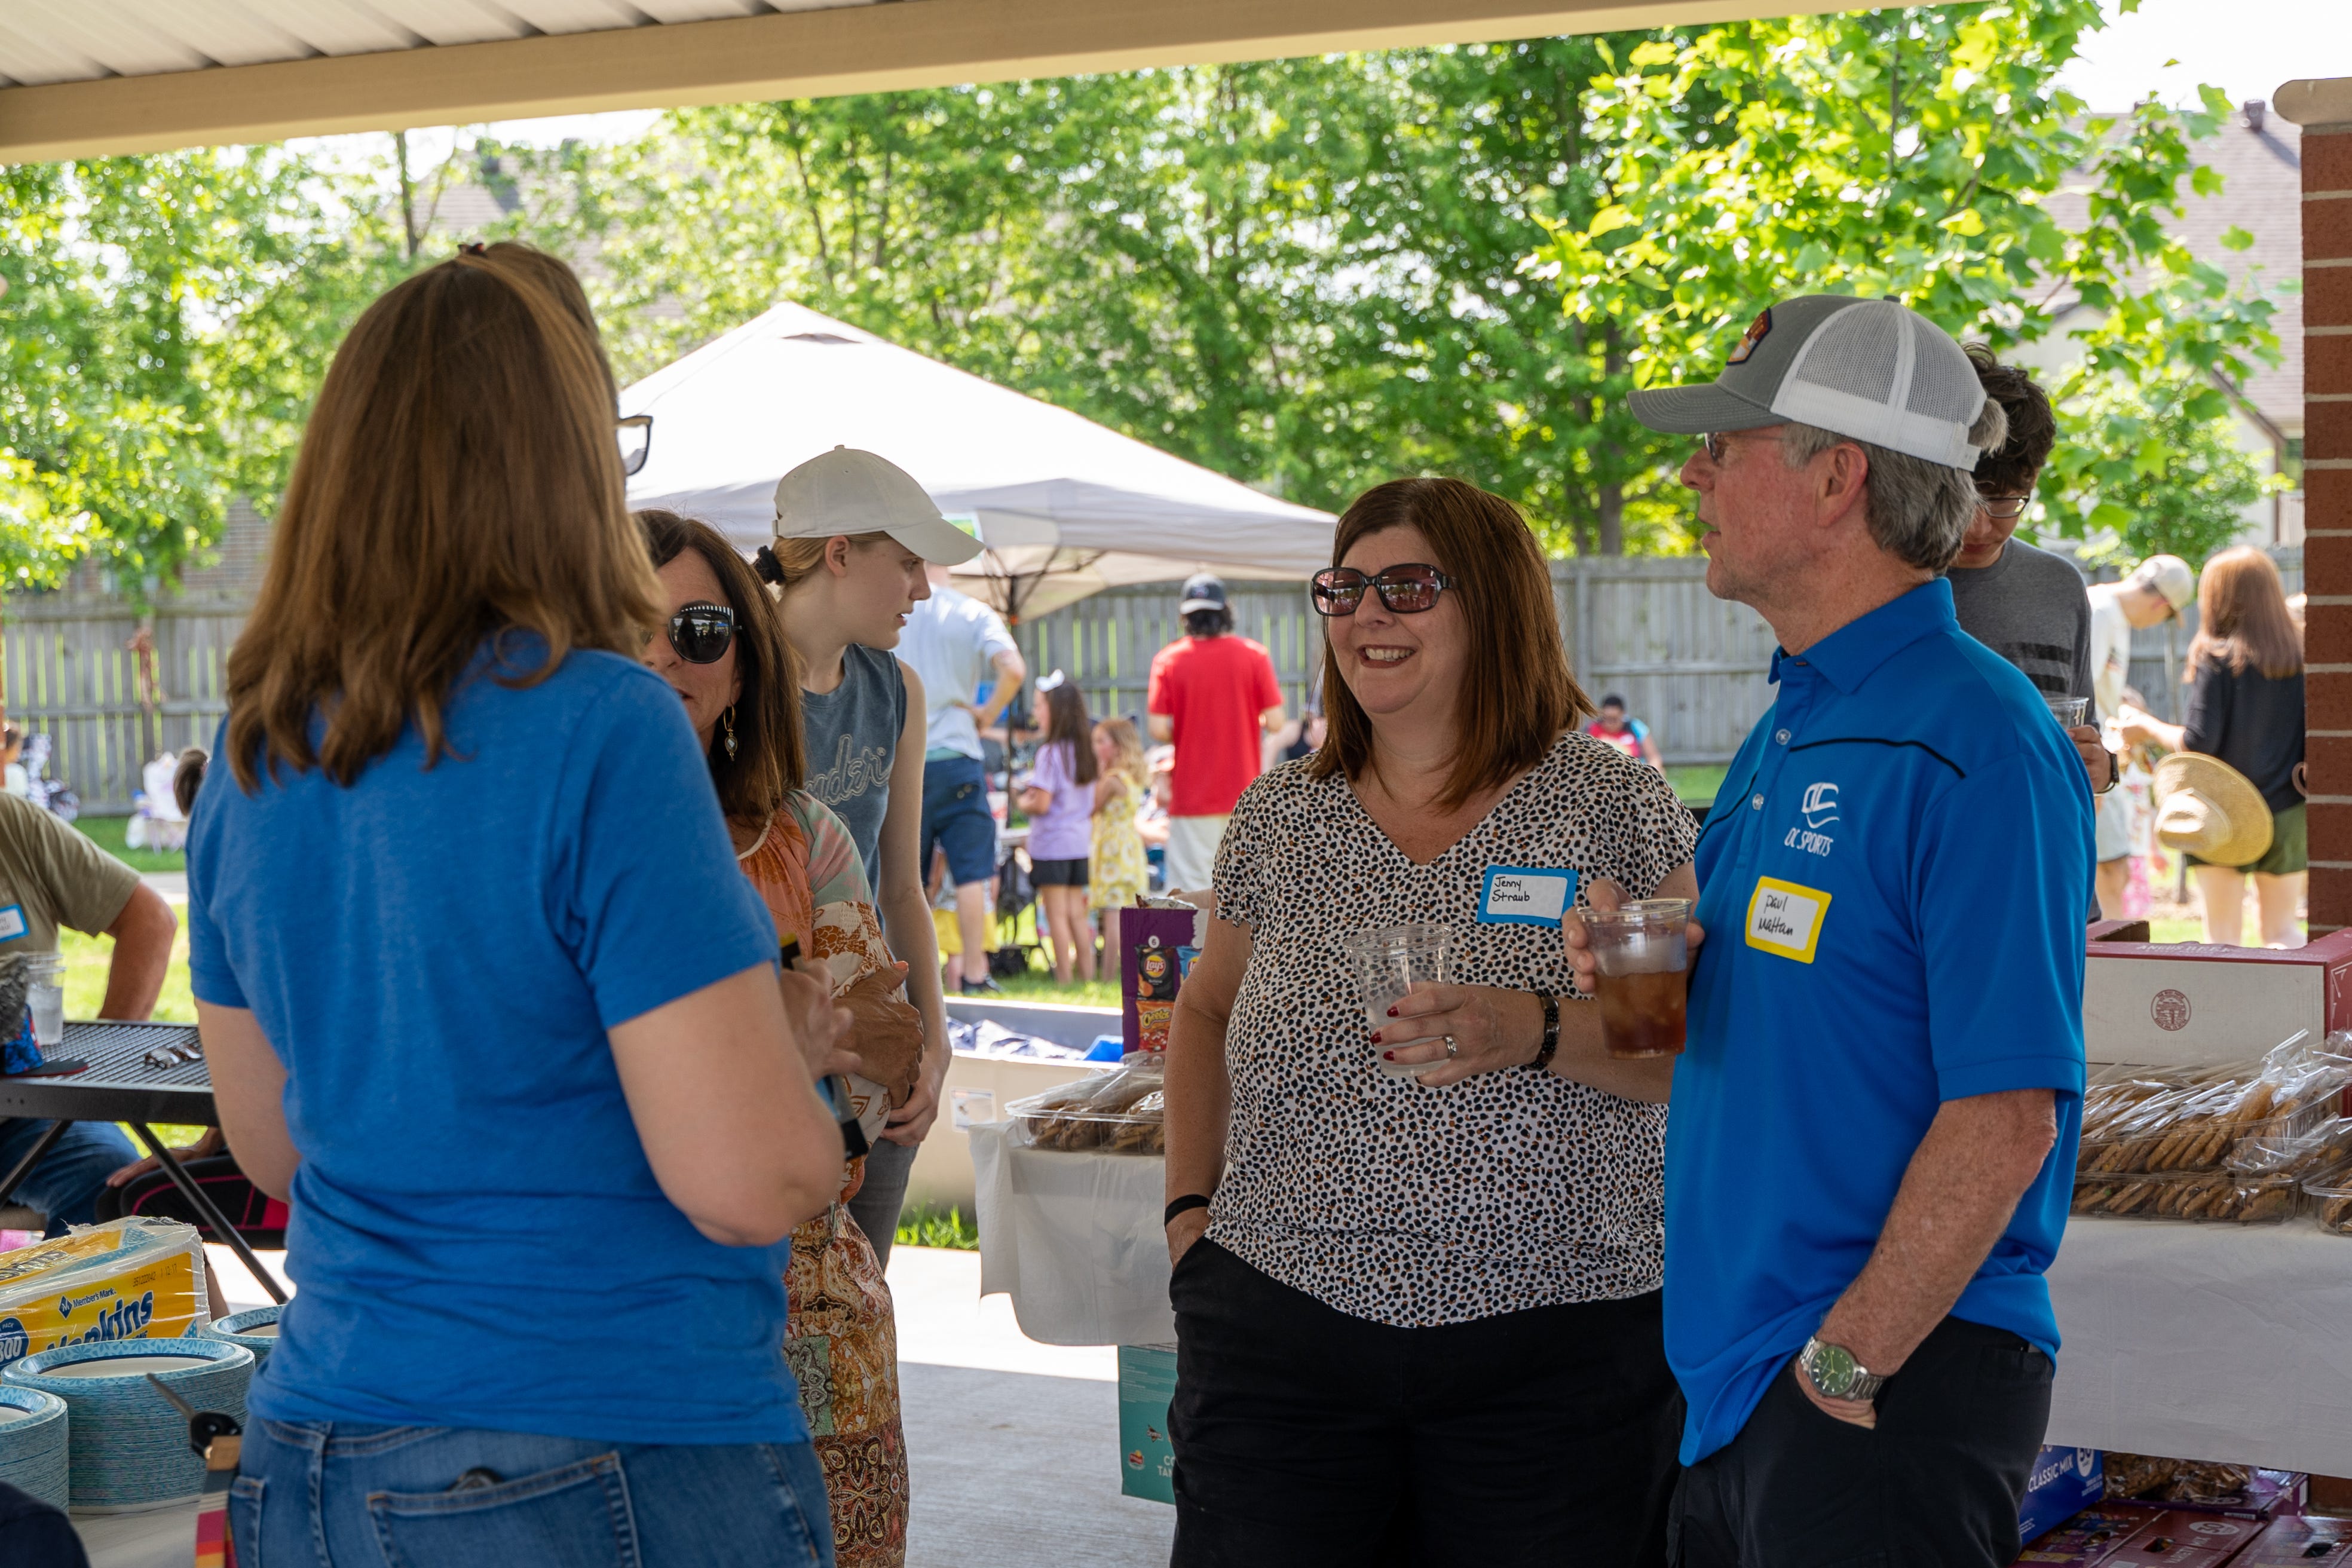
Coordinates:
(1075, 1239)
(2206, 1340)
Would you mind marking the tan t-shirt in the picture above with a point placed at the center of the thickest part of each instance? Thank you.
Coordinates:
(52, 875)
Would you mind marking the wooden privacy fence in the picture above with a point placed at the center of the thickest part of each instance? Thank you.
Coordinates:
(1689, 664)
(71, 675)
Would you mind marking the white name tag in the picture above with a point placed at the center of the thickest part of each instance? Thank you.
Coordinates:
(12, 922)
(1786, 917)
(1526, 895)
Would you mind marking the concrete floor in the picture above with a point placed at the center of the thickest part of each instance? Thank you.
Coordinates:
(1014, 1445)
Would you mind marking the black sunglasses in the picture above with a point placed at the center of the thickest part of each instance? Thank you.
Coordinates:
(1406, 589)
(701, 632)
(636, 435)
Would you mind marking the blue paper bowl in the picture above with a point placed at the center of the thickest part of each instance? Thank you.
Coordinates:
(33, 1444)
(127, 1448)
(236, 1329)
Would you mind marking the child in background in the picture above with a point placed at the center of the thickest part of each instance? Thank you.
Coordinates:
(1059, 801)
(1119, 872)
(1614, 727)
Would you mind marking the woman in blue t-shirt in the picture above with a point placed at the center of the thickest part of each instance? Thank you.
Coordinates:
(484, 998)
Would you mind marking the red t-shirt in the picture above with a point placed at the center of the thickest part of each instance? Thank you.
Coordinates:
(1214, 689)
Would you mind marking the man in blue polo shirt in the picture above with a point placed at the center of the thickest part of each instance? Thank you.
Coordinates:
(1874, 1120)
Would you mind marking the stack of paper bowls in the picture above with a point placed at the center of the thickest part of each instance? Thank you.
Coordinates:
(256, 1330)
(33, 1442)
(126, 1446)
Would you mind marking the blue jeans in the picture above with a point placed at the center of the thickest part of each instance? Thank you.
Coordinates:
(66, 1184)
(956, 818)
(349, 1496)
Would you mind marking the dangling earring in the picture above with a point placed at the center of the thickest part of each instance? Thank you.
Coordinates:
(728, 719)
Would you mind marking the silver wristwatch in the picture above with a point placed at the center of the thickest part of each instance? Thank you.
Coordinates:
(1836, 1375)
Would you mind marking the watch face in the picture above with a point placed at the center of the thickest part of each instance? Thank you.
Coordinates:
(1832, 1370)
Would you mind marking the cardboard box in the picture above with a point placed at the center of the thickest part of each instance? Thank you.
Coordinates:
(2091, 1537)
(2180, 1005)
(2177, 1540)
(2061, 1484)
(2268, 1495)
(2295, 1543)
(1147, 1381)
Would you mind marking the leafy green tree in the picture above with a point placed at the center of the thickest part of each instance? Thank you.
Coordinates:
(163, 326)
(2163, 461)
(1910, 153)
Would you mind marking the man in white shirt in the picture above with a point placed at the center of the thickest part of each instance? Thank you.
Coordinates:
(2158, 589)
(955, 643)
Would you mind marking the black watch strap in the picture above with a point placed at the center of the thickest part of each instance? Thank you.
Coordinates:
(1550, 1047)
(1184, 1204)
(2115, 773)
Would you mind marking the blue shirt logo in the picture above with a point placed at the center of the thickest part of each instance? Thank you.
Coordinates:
(1821, 806)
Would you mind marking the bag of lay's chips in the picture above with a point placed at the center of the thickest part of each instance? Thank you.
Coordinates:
(138, 1278)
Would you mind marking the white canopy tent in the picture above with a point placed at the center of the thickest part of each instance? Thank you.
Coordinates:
(1065, 507)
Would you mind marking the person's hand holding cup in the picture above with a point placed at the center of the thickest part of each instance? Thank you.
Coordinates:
(1635, 956)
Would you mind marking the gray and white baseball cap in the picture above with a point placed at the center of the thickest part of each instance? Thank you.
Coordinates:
(1870, 369)
(848, 490)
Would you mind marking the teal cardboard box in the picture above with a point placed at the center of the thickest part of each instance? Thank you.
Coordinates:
(1147, 1381)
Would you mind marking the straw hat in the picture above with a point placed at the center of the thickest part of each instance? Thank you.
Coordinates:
(2207, 808)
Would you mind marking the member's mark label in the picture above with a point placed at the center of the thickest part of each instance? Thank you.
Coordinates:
(1526, 895)
(1785, 917)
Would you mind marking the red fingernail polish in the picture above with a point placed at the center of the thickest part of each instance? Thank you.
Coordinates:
(1391, 1012)
(1388, 1055)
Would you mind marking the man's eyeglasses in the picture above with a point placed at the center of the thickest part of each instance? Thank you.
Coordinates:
(1406, 589)
(700, 633)
(2003, 508)
(637, 442)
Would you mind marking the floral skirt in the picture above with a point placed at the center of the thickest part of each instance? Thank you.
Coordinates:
(841, 1341)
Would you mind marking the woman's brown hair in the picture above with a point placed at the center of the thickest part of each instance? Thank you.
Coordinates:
(2242, 619)
(771, 756)
(1067, 720)
(1518, 695)
(459, 480)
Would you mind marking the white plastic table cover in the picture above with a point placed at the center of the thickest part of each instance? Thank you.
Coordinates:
(2209, 1342)
(1075, 1239)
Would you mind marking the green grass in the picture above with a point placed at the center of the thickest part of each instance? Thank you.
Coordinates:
(930, 1226)
(1037, 986)
(1695, 782)
(107, 833)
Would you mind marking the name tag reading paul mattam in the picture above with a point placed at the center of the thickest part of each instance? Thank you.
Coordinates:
(1786, 917)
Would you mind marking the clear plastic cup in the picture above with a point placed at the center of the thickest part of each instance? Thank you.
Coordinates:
(45, 998)
(1389, 965)
(1643, 952)
(2068, 710)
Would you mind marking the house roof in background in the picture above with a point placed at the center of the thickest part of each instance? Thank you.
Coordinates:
(93, 78)
(2261, 192)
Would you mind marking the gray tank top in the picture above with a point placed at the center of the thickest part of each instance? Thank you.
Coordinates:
(853, 738)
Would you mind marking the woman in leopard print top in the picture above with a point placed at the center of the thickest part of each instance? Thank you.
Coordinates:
(1419, 1318)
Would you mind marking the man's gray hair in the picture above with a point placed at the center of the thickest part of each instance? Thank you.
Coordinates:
(1918, 510)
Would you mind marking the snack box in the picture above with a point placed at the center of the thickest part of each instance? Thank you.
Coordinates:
(2295, 1542)
(2177, 1538)
(2268, 1495)
(2061, 1484)
(2182, 1004)
(1147, 1382)
(2091, 1537)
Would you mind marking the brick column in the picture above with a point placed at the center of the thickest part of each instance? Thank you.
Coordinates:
(2324, 110)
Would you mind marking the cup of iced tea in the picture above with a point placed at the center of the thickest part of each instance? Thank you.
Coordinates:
(1389, 965)
(1643, 952)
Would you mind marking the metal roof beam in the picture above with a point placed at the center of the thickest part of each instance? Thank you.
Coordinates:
(797, 54)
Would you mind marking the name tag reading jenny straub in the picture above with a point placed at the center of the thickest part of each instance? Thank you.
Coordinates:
(1526, 895)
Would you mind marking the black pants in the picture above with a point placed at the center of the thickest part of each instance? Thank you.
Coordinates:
(1306, 1437)
(1936, 1484)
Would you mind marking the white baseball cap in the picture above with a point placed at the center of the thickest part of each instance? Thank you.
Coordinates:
(849, 491)
(2169, 575)
(1869, 369)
